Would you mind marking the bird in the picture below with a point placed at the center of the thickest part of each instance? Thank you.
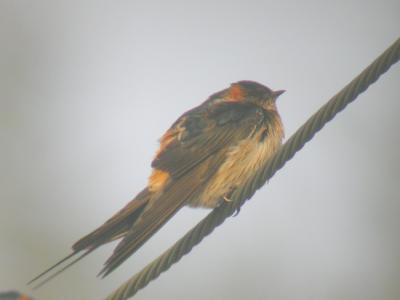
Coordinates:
(13, 295)
(209, 151)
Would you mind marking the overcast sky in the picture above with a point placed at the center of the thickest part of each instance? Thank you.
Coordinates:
(87, 88)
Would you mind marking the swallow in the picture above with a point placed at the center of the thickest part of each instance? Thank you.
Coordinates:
(207, 153)
(13, 295)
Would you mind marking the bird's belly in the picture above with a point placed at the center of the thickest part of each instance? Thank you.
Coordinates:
(240, 166)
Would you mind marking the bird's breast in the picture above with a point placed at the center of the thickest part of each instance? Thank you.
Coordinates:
(241, 163)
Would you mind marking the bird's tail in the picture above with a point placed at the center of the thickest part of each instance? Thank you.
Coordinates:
(114, 228)
(157, 213)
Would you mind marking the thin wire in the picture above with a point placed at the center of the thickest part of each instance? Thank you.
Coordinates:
(304, 134)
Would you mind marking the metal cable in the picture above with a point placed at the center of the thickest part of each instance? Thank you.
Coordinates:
(285, 153)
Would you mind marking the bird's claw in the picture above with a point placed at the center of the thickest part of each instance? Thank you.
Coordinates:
(227, 199)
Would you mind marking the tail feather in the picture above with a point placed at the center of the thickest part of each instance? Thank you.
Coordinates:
(52, 267)
(59, 271)
(143, 229)
(159, 211)
(117, 224)
(114, 228)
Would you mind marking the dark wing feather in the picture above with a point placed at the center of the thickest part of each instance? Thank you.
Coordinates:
(202, 132)
(194, 155)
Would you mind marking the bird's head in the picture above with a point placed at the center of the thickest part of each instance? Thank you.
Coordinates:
(253, 92)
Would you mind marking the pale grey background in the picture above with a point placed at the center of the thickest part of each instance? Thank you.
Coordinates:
(87, 87)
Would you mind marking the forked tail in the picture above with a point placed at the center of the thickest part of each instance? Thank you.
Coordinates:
(114, 228)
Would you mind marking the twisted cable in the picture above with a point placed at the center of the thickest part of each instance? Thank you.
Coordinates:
(296, 142)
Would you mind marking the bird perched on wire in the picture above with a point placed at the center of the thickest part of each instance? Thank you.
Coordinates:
(208, 152)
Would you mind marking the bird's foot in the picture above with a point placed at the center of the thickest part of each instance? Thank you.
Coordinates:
(226, 199)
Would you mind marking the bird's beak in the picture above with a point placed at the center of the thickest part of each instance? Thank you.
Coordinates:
(278, 93)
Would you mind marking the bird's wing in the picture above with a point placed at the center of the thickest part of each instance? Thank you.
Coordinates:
(202, 132)
(191, 151)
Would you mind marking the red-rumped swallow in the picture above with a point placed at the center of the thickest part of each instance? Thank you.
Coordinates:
(210, 151)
